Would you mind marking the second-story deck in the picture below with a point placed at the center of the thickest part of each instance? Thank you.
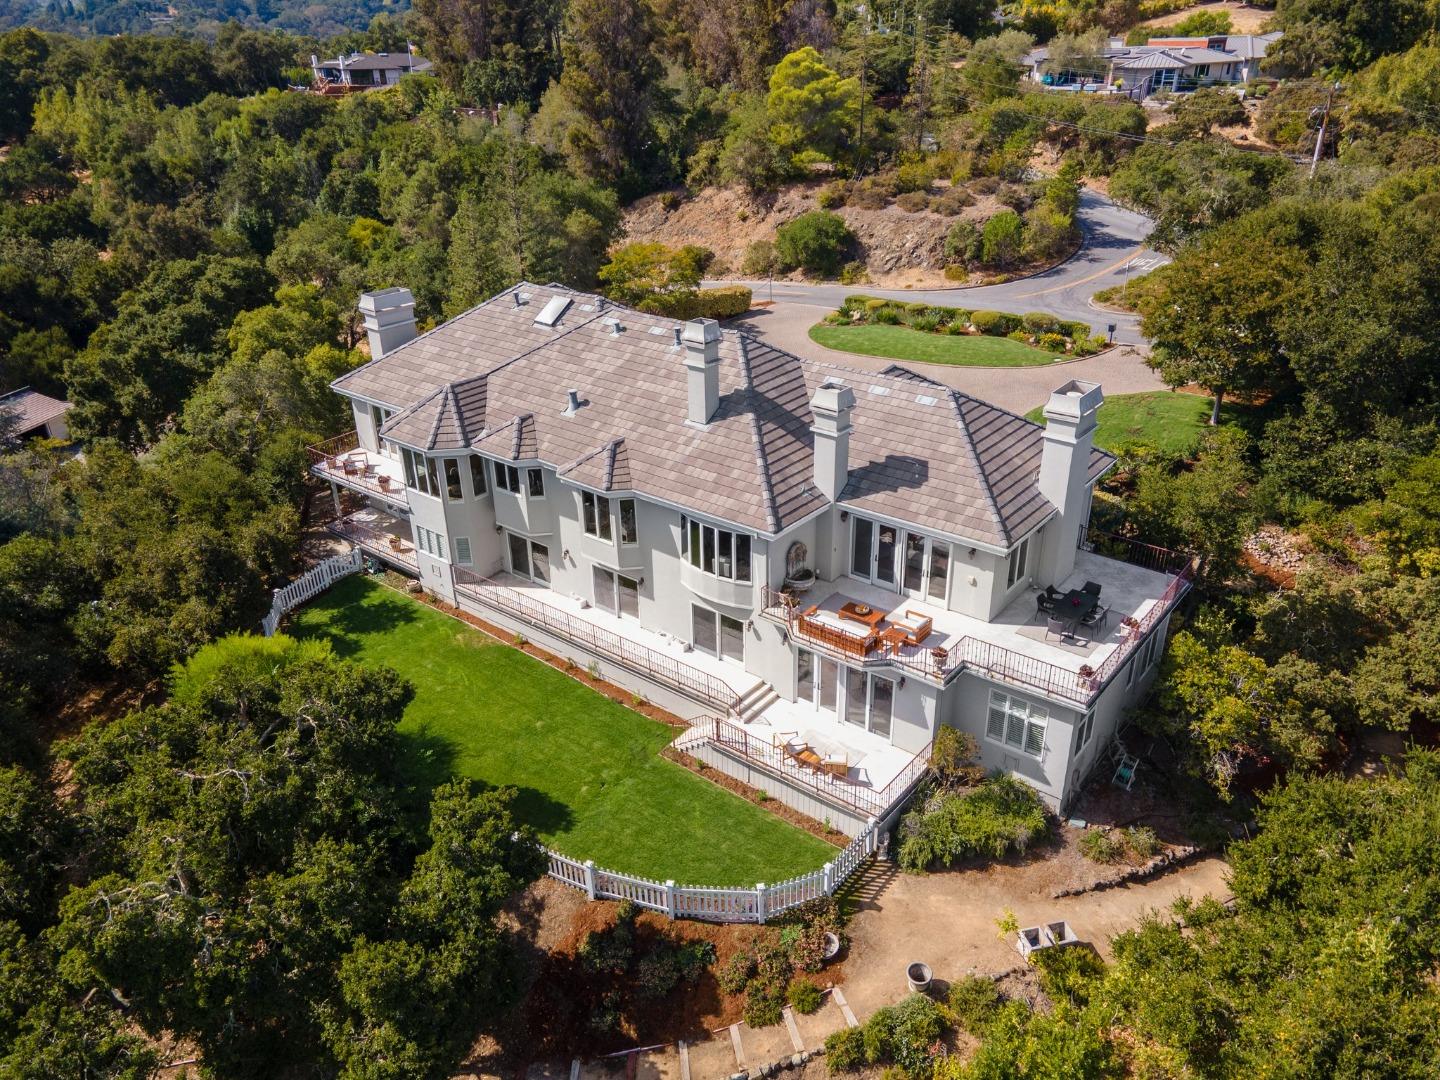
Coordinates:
(1016, 647)
(343, 461)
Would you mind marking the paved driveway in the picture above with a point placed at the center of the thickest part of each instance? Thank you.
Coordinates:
(1113, 249)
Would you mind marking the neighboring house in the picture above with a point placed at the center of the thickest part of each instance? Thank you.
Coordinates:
(827, 563)
(364, 71)
(1161, 64)
(37, 416)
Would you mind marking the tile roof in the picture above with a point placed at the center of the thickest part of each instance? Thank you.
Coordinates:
(492, 380)
(33, 408)
(379, 62)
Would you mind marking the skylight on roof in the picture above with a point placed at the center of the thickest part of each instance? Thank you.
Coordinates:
(551, 312)
(879, 391)
(926, 399)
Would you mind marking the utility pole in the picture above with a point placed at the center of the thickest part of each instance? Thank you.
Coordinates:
(1324, 122)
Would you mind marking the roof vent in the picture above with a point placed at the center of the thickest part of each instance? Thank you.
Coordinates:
(572, 404)
(678, 342)
(553, 309)
(613, 325)
(516, 297)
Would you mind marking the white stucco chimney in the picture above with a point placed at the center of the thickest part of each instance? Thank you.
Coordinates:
(830, 406)
(701, 339)
(389, 319)
(1064, 473)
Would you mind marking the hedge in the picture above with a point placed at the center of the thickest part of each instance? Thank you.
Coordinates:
(722, 303)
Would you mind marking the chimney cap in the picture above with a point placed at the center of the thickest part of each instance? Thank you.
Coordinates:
(832, 397)
(1074, 400)
(386, 300)
(701, 332)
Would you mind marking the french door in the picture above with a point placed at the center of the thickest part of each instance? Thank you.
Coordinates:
(529, 558)
(855, 696)
(926, 567)
(716, 634)
(817, 681)
(908, 562)
(616, 593)
(873, 550)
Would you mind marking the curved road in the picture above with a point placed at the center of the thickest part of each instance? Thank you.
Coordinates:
(1113, 248)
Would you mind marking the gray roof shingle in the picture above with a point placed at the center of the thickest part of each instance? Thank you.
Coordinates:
(492, 380)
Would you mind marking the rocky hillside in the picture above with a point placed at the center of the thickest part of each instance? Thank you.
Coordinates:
(898, 247)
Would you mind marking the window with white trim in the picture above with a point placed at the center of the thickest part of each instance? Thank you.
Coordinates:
(462, 550)
(595, 514)
(421, 472)
(477, 475)
(507, 478)
(1086, 729)
(1018, 558)
(536, 481)
(720, 552)
(453, 491)
(1016, 723)
(629, 524)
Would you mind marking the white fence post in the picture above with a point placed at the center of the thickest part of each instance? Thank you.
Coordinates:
(829, 880)
(670, 899)
(590, 878)
(872, 833)
(760, 902)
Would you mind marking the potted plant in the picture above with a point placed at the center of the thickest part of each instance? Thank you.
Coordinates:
(383, 481)
(1087, 676)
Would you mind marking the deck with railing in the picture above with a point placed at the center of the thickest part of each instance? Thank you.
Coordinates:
(343, 461)
(381, 543)
(653, 665)
(759, 749)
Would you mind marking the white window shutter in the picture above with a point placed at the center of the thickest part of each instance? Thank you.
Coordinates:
(462, 550)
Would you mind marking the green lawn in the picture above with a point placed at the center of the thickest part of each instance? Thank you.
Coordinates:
(1166, 419)
(590, 777)
(902, 343)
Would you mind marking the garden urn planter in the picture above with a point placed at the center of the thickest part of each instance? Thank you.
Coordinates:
(917, 978)
(832, 946)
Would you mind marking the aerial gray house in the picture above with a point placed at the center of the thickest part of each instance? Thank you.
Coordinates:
(1173, 64)
(817, 566)
(364, 71)
(37, 415)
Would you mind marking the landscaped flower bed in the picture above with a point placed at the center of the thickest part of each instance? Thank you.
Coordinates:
(1036, 328)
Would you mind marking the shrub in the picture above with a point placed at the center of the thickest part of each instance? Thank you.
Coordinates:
(1002, 240)
(873, 306)
(903, 1035)
(1098, 845)
(761, 259)
(724, 302)
(815, 242)
(1053, 342)
(914, 307)
(917, 176)
(959, 325)
(763, 1005)
(854, 272)
(998, 323)
(669, 200)
(845, 1050)
(736, 973)
(985, 185)
(1041, 322)
(973, 1001)
(889, 315)
(1021, 336)
(832, 195)
(1074, 329)
(668, 965)
(1067, 974)
(963, 243)
(913, 202)
(956, 272)
(1142, 841)
(1000, 816)
(804, 996)
(951, 201)
(872, 193)
(926, 322)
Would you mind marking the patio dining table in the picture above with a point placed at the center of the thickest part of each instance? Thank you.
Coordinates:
(1074, 606)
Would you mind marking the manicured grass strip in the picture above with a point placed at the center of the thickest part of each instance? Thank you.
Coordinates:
(588, 771)
(902, 343)
(1168, 420)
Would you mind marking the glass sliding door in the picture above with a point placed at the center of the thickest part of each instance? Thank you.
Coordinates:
(860, 549)
(702, 622)
(732, 638)
(829, 684)
(914, 576)
(604, 583)
(887, 542)
(882, 705)
(804, 675)
(540, 562)
(855, 697)
(939, 570)
(629, 592)
(519, 555)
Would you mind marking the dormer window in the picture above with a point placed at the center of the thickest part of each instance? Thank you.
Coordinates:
(507, 478)
(595, 511)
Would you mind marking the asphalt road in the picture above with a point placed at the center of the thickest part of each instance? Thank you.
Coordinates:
(1113, 249)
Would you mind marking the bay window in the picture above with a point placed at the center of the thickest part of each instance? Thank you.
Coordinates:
(452, 480)
(629, 527)
(716, 551)
(477, 475)
(421, 472)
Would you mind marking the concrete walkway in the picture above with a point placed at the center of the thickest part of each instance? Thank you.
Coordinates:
(946, 920)
(1019, 389)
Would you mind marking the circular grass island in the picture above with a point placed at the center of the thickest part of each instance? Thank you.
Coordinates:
(915, 346)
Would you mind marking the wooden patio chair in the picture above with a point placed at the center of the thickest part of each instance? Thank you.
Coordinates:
(837, 765)
(917, 626)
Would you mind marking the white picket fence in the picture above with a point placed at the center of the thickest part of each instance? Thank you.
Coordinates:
(717, 904)
(309, 585)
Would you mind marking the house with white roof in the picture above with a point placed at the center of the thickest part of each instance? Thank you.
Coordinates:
(816, 566)
(1162, 64)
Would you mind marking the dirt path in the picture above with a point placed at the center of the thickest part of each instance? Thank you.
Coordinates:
(948, 920)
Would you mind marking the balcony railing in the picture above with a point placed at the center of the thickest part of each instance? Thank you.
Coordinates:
(656, 666)
(383, 545)
(342, 460)
(762, 752)
(1150, 556)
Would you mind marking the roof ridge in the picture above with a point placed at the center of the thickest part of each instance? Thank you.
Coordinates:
(447, 400)
(562, 470)
(612, 449)
(772, 516)
(969, 441)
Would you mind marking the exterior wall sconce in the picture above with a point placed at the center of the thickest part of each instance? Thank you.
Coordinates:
(972, 553)
(565, 554)
(499, 528)
(640, 584)
(844, 515)
(903, 681)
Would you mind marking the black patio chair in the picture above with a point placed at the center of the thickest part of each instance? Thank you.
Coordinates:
(1100, 615)
(1060, 627)
(1044, 604)
(1091, 587)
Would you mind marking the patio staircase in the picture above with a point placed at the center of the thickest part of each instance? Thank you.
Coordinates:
(755, 701)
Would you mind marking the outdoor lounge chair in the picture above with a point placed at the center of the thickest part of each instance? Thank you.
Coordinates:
(916, 624)
(837, 765)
